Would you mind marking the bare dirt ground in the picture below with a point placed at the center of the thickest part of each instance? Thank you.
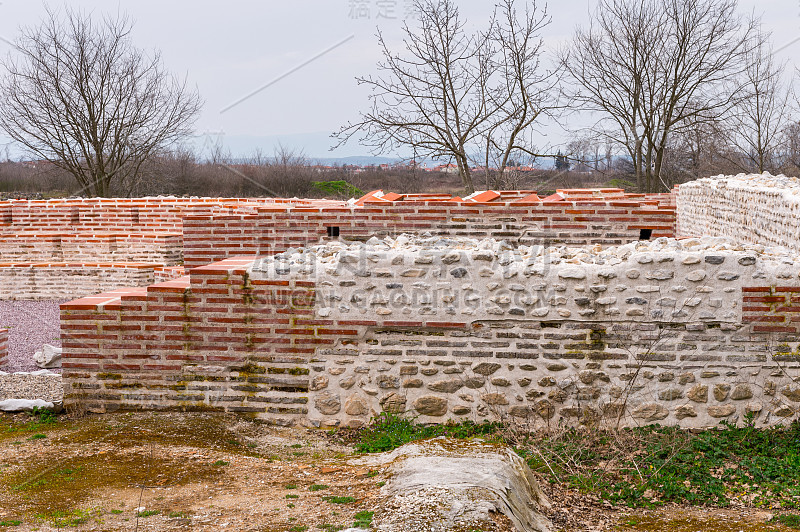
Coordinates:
(170, 471)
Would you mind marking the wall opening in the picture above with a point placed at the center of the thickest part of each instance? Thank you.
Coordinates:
(135, 216)
(645, 234)
(333, 230)
(74, 216)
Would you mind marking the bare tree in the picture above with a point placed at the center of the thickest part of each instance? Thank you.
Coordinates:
(756, 123)
(80, 95)
(526, 91)
(649, 67)
(453, 93)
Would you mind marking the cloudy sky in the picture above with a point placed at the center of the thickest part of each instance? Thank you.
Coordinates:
(283, 70)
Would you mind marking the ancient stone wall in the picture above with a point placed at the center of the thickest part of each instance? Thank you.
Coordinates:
(757, 209)
(688, 333)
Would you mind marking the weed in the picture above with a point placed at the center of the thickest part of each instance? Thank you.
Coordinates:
(363, 519)
(389, 431)
(220, 463)
(290, 487)
(339, 500)
(318, 487)
(290, 505)
(790, 520)
(65, 519)
(330, 528)
(176, 515)
(10, 523)
(116, 512)
(381, 484)
(656, 465)
(147, 513)
(298, 528)
(38, 437)
(43, 417)
(292, 496)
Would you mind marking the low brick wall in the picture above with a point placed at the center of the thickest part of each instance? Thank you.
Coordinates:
(581, 221)
(158, 248)
(666, 333)
(48, 281)
(3, 348)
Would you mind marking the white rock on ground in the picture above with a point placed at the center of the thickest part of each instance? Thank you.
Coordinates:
(26, 405)
(446, 484)
(48, 357)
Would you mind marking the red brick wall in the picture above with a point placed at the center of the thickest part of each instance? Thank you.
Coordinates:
(772, 309)
(208, 239)
(214, 341)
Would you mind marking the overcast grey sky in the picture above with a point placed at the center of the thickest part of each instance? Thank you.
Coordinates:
(231, 49)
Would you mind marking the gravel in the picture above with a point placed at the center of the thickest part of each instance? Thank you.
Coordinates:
(30, 324)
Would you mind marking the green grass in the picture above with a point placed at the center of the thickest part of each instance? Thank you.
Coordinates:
(10, 523)
(39, 419)
(672, 465)
(148, 513)
(298, 528)
(790, 520)
(38, 437)
(116, 512)
(220, 463)
(290, 487)
(292, 496)
(339, 500)
(66, 519)
(318, 487)
(389, 431)
(363, 519)
(640, 467)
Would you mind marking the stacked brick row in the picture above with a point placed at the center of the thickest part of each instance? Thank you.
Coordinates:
(61, 280)
(211, 341)
(574, 223)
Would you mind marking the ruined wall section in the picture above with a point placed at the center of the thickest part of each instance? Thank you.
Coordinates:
(649, 332)
(756, 209)
(66, 248)
(687, 333)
